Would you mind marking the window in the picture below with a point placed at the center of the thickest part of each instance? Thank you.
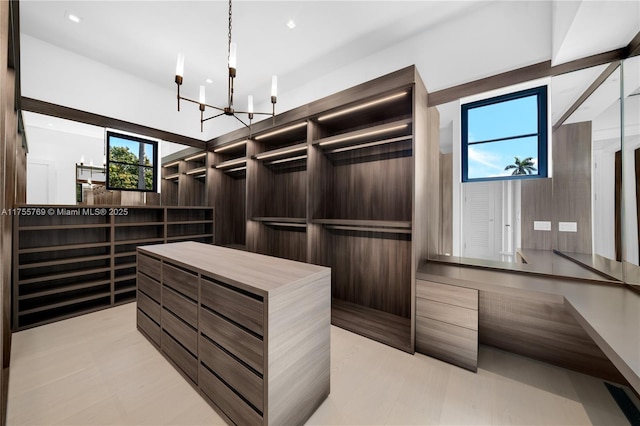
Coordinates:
(505, 137)
(131, 163)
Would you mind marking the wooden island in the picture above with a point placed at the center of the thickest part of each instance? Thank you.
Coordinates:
(250, 332)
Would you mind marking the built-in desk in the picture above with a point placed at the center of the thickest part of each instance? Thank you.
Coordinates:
(608, 313)
(250, 332)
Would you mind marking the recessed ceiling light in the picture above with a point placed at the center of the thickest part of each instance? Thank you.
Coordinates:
(209, 81)
(291, 24)
(73, 17)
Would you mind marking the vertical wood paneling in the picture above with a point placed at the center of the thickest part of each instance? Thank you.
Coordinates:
(372, 270)
(541, 330)
(572, 185)
(537, 205)
(228, 195)
(446, 203)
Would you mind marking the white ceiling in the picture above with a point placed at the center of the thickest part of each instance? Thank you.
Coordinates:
(334, 45)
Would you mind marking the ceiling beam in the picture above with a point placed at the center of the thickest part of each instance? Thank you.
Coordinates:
(54, 110)
(521, 75)
(592, 88)
(633, 49)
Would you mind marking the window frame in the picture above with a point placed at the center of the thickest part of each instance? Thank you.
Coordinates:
(541, 93)
(109, 135)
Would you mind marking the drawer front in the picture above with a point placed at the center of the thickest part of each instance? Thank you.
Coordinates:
(236, 306)
(149, 306)
(149, 286)
(233, 406)
(455, 315)
(243, 345)
(150, 328)
(149, 266)
(181, 306)
(180, 331)
(450, 343)
(443, 293)
(180, 356)
(182, 281)
(239, 377)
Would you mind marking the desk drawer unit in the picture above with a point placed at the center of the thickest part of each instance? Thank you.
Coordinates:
(447, 323)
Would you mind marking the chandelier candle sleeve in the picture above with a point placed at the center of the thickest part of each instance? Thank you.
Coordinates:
(233, 58)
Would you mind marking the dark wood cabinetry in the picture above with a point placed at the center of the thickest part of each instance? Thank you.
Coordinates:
(70, 260)
(341, 182)
(250, 332)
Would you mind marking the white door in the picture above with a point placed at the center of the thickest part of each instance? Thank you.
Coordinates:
(482, 220)
(40, 182)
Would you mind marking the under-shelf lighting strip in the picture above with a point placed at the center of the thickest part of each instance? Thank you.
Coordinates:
(174, 163)
(230, 146)
(196, 171)
(284, 129)
(277, 153)
(237, 169)
(361, 106)
(362, 135)
(284, 160)
(230, 163)
(195, 157)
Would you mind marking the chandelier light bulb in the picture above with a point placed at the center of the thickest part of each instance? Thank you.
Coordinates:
(250, 105)
(202, 98)
(233, 59)
(180, 65)
(274, 86)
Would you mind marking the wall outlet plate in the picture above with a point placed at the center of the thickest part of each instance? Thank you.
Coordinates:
(541, 225)
(568, 226)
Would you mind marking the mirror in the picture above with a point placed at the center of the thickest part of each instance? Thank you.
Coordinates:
(631, 168)
(66, 159)
(543, 225)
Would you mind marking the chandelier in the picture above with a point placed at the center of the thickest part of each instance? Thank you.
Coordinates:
(229, 109)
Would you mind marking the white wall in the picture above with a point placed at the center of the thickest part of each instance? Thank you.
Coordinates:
(61, 150)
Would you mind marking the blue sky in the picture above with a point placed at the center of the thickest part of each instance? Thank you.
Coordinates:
(511, 118)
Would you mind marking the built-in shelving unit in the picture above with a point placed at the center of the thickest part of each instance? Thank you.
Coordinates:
(277, 192)
(227, 189)
(72, 260)
(343, 182)
(184, 180)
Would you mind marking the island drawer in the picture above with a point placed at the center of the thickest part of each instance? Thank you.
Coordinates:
(181, 306)
(243, 309)
(180, 280)
(244, 345)
(149, 286)
(149, 266)
(184, 334)
(246, 382)
(180, 356)
(231, 404)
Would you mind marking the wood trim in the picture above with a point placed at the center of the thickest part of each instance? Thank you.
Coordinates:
(54, 110)
(592, 88)
(393, 81)
(521, 75)
(633, 48)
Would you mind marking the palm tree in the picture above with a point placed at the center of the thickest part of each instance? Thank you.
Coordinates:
(522, 167)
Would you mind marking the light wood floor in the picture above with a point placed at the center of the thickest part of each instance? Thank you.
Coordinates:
(98, 370)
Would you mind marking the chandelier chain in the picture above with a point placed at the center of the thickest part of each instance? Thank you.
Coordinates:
(229, 44)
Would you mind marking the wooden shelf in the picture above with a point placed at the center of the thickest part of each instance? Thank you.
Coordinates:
(54, 279)
(365, 223)
(196, 171)
(292, 222)
(63, 289)
(58, 276)
(286, 152)
(231, 164)
(173, 176)
(65, 261)
(395, 131)
(381, 326)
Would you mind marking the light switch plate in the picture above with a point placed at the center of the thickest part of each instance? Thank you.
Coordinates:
(568, 226)
(541, 225)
